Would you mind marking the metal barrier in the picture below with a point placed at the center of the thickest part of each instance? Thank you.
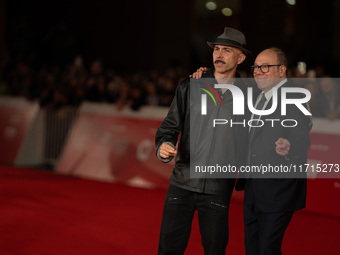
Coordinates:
(58, 123)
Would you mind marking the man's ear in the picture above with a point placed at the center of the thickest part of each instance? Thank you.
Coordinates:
(283, 70)
(241, 58)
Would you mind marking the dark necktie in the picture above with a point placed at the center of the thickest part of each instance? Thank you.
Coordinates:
(254, 123)
(256, 117)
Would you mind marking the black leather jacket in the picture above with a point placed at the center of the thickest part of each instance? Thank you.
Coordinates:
(177, 125)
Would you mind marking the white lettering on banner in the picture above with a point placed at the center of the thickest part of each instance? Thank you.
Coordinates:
(144, 150)
(106, 138)
(10, 132)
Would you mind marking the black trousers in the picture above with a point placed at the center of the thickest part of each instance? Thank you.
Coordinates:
(179, 208)
(263, 231)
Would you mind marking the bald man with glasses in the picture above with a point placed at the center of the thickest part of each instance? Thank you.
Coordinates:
(269, 203)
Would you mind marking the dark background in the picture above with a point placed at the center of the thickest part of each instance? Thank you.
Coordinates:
(133, 36)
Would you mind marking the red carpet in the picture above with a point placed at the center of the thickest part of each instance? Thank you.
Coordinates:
(45, 213)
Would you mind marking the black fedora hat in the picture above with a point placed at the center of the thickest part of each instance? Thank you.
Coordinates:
(231, 37)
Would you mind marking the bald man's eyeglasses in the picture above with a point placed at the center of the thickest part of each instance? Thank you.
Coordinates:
(263, 68)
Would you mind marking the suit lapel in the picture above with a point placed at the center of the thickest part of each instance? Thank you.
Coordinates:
(268, 106)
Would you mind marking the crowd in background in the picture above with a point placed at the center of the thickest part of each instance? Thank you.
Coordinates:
(57, 87)
(47, 68)
(75, 83)
(324, 89)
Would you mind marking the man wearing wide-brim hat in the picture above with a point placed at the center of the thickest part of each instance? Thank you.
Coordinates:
(210, 197)
(231, 37)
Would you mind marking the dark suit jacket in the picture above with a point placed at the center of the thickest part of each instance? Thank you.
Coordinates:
(280, 194)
